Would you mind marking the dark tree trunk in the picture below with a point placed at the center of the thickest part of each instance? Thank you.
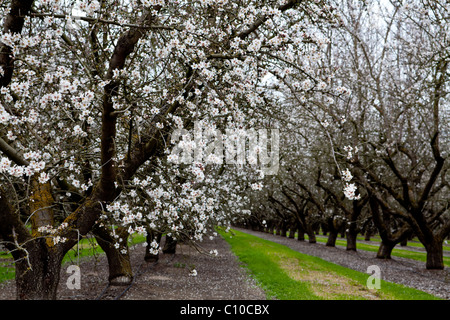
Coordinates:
(312, 237)
(332, 237)
(120, 272)
(300, 232)
(325, 229)
(307, 228)
(149, 256)
(404, 242)
(37, 272)
(382, 221)
(283, 231)
(435, 255)
(292, 233)
(351, 240)
(13, 23)
(170, 246)
(352, 229)
(385, 250)
(430, 240)
(333, 228)
(37, 260)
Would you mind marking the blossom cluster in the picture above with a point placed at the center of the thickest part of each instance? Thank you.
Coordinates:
(52, 231)
(350, 191)
(35, 166)
(350, 151)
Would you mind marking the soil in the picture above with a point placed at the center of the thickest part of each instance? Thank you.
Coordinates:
(221, 277)
(218, 277)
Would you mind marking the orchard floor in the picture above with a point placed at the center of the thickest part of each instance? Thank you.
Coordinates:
(218, 277)
(404, 271)
(221, 277)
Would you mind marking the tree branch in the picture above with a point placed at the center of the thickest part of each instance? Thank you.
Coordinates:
(435, 174)
(245, 33)
(124, 47)
(12, 153)
(14, 22)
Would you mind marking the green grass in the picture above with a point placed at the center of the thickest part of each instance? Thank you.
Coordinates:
(6, 267)
(86, 248)
(415, 243)
(286, 274)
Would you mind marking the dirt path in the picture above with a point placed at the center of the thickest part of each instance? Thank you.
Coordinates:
(218, 278)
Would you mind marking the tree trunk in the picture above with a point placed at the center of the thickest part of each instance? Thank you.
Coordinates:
(37, 272)
(312, 237)
(351, 240)
(332, 237)
(435, 255)
(325, 229)
(385, 250)
(292, 233)
(152, 235)
(300, 232)
(120, 272)
(382, 221)
(283, 230)
(170, 246)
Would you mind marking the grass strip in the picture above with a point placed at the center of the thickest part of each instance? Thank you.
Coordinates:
(411, 243)
(286, 274)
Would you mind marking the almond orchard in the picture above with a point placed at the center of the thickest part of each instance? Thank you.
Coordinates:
(175, 117)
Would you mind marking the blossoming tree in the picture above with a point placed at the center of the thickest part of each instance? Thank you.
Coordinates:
(384, 116)
(90, 93)
(397, 117)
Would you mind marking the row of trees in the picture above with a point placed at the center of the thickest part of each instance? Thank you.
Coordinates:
(91, 91)
(374, 158)
(90, 94)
